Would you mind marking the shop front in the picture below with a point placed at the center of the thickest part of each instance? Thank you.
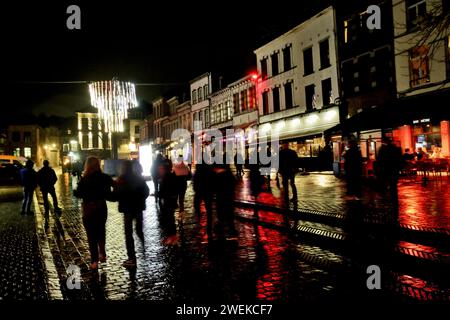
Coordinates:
(305, 135)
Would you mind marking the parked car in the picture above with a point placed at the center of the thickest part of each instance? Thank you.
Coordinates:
(9, 169)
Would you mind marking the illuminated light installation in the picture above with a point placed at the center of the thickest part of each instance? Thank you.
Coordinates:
(113, 99)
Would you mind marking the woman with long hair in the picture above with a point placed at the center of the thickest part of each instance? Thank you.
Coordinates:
(94, 188)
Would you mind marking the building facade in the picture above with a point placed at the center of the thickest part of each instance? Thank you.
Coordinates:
(298, 84)
(422, 75)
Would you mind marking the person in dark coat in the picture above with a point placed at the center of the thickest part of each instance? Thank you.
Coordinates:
(353, 170)
(239, 163)
(46, 180)
(389, 161)
(203, 184)
(225, 193)
(94, 188)
(28, 178)
(154, 172)
(131, 191)
(288, 167)
(167, 203)
(182, 174)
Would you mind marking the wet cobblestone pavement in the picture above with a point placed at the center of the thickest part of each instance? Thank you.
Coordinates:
(318, 255)
(22, 271)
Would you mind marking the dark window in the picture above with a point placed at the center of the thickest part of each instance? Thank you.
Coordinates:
(85, 141)
(95, 141)
(137, 130)
(448, 57)
(251, 97)
(416, 11)
(236, 103)
(27, 137)
(94, 124)
(15, 137)
(274, 59)
(310, 97)
(326, 92)
(84, 124)
(105, 141)
(288, 95)
(264, 68)
(347, 74)
(308, 64)
(324, 48)
(364, 76)
(244, 101)
(205, 90)
(287, 58)
(276, 99)
(383, 67)
(194, 96)
(265, 102)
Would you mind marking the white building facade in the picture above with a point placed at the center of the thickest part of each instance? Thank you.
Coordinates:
(200, 89)
(298, 84)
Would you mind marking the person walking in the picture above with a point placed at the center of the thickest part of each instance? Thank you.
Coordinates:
(225, 193)
(154, 172)
(131, 191)
(239, 163)
(94, 188)
(28, 179)
(167, 203)
(46, 178)
(353, 171)
(288, 167)
(389, 163)
(182, 175)
(203, 184)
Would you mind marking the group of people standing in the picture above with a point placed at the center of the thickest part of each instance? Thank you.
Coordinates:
(388, 166)
(45, 178)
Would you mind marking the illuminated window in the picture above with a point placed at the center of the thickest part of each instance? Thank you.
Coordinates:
(345, 31)
(419, 65)
(251, 97)
(27, 152)
(17, 152)
(236, 103)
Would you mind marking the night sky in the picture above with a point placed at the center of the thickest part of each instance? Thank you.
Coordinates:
(156, 42)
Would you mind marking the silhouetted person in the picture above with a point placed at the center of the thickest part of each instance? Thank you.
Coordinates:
(77, 169)
(46, 181)
(239, 163)
(167, 201)
(225, 184)
(408, 156)
(154, 172)
(182, 175)
(256, 180)
(421, 155)
(389, 163)
(131, 191)
(203, 183)
(288, 167)
(28, 178)
(94, 188)
(353, 170)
